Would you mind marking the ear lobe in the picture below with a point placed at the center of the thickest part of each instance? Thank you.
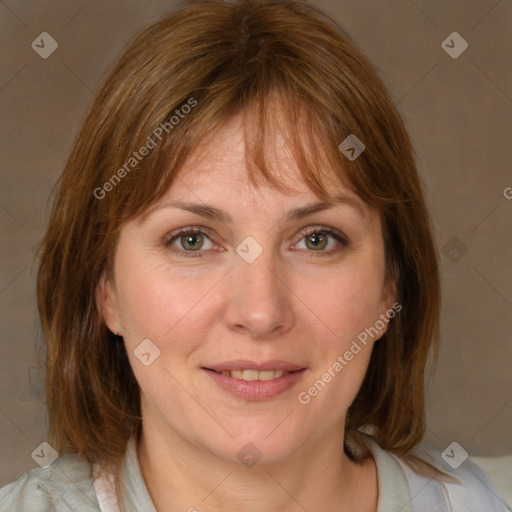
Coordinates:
(105, 299)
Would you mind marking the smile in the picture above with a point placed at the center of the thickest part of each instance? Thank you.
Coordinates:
(255, 384)
(251, 375)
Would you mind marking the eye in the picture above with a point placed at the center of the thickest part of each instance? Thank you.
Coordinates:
(192, 239)
(317, 240)
(187, 241)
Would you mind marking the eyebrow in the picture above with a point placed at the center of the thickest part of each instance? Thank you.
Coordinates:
(211, 212)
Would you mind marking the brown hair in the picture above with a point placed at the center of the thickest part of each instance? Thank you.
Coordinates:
(274, 62)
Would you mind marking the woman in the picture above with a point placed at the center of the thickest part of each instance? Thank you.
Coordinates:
(239, 286)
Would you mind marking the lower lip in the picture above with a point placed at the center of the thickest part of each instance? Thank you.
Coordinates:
(256, 389)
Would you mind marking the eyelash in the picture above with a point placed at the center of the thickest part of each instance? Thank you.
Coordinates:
(193, 230)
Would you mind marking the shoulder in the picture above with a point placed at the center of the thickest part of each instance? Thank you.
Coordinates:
(436, 480)
(64, 486)
(467, 487)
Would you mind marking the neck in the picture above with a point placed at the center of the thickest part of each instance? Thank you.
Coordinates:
(319, 476)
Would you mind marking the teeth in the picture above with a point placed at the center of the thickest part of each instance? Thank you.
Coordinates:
(266, 375)
(251, 375)
(237, 374)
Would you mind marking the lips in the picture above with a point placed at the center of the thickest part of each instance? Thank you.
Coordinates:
(250, 380)
(245, 364)
(252, 375)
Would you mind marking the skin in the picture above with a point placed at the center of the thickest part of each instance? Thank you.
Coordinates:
(290, 304)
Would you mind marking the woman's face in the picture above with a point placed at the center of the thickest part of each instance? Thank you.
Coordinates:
(269, 283)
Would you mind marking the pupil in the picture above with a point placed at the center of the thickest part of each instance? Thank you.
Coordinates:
(191, 240)
(316, 239)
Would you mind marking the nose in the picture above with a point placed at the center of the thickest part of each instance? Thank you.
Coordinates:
(259, 300)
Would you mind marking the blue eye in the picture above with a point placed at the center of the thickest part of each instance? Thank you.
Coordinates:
(190, 241)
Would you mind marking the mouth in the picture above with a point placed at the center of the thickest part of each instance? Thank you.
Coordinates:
(252, 375)
(251, 381)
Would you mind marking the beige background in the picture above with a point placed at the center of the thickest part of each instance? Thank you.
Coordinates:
(458, 112)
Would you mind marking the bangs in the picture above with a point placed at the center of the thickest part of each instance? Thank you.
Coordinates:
(310, 91)
(275, 122)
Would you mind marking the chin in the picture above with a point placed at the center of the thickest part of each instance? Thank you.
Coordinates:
(257, 442)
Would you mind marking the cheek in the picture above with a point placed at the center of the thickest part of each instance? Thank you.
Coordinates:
(144, 303)
(347, 301)
(158, 304)
(349, 306)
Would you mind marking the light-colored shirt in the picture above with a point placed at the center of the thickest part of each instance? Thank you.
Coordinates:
(72, 484)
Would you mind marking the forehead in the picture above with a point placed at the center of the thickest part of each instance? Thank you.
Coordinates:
(215, 179)
(224, 149)
(220, 161)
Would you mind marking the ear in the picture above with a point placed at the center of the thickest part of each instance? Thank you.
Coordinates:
(388, 304)
(107, 304)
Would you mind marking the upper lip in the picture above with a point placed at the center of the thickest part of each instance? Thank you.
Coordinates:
(245, 364)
